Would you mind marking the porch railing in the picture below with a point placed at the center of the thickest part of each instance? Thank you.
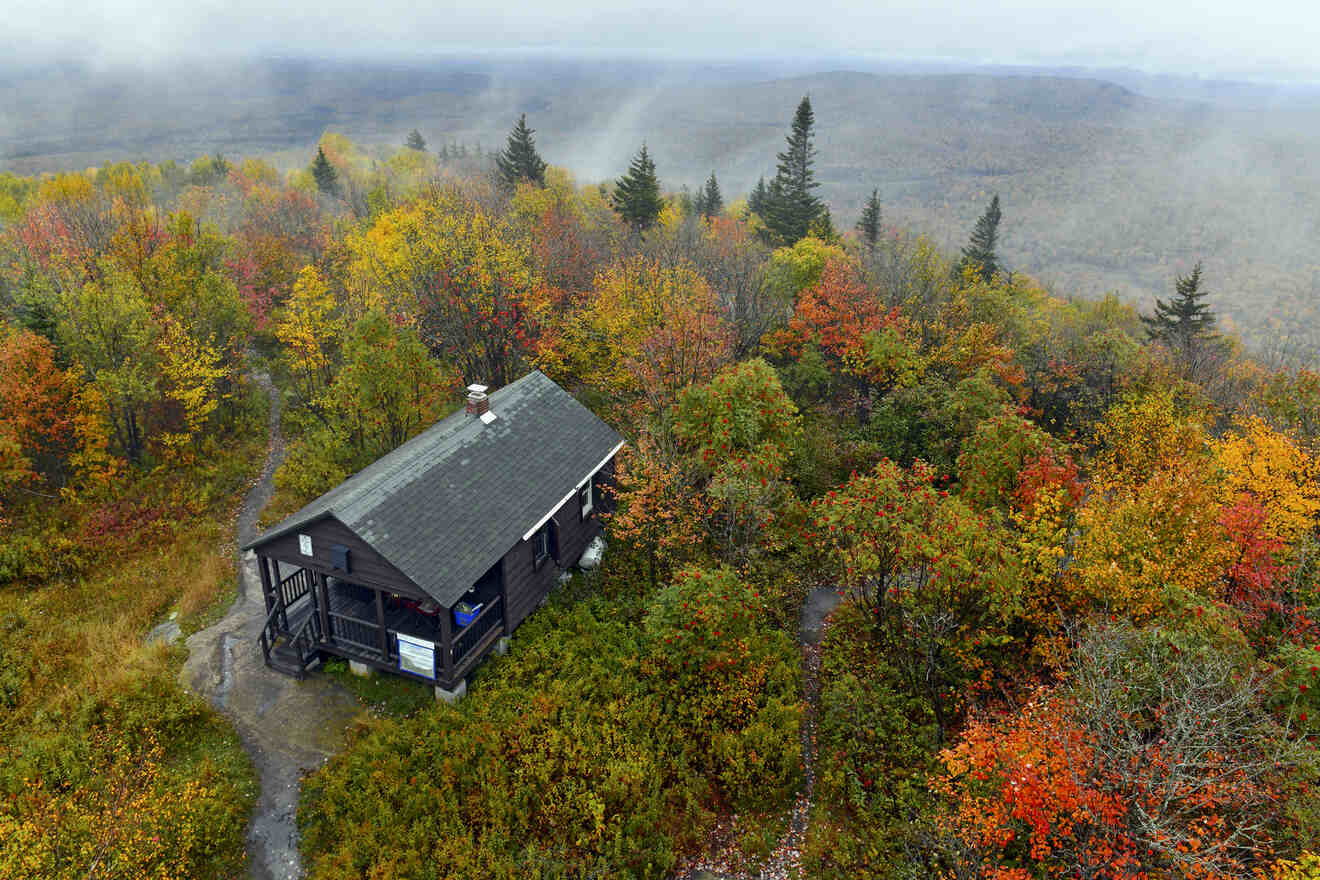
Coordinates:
(268, 636)
(305, 640)
(295, 586)
(470, 636)
(354, 631)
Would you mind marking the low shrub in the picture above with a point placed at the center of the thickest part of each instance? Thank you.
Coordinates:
(875, 746)
(576, 755)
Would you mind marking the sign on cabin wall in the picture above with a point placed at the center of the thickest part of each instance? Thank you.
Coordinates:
(417, 656)
(305, 545)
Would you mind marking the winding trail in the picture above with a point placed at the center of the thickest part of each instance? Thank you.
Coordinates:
(287, 726)
(785, 859)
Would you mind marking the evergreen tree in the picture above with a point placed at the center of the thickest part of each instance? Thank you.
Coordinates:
(980, 251)
(519, 160)
(415, 141)
(637, 194)
(756, 200)
(869, 224)
(1185, 319)
(327, 179)
(710, 201)
(791, 207)
(687, 205)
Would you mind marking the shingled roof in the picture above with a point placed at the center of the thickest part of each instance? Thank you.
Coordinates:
(452, 501)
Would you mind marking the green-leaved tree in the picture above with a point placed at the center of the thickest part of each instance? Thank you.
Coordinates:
(327, 179)
(415, 141)
(637, 194)
(757, 198)
(869, 224)
(519, 160)
(1186, 325)
(980, 251)
(710, 201)
(790, 208)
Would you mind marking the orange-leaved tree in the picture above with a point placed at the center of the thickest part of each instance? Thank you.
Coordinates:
(1153, 761)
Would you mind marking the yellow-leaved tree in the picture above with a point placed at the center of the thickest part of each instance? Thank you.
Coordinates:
(1150, 538)
(309, 330)
(1269, 467)
(648, 332)
(458, 275)
(192, 370)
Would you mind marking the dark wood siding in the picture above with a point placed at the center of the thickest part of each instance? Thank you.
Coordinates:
(366, 566)
(526, 584)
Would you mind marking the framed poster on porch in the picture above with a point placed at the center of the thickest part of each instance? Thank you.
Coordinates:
(417, 656)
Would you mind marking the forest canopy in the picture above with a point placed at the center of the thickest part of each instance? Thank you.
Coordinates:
(1075, 553)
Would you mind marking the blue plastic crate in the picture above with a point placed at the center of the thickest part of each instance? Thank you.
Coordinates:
(465, 613)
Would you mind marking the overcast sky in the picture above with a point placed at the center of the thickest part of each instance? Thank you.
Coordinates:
(1261, 38)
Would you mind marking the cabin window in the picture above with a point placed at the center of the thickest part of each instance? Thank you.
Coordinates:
(541, 545)
(587, 498)
(545, 544)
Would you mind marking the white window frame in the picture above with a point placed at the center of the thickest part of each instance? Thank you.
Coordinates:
(589, 490)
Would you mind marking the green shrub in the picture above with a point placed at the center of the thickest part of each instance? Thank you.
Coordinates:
(875, 745)
(573, 756)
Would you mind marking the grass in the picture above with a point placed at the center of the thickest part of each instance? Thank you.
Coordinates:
(85, 703)
(381, 694)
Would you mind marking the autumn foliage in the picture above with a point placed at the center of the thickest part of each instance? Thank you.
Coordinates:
(1080, 630)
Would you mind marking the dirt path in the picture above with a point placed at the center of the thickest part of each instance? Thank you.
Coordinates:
(785, 859)
(287, 726)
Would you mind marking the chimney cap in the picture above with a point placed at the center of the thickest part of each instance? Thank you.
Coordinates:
(477, 389)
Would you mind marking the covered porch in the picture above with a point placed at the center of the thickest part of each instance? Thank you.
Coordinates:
(311, 613)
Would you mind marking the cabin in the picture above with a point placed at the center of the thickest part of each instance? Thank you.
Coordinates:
(424, 561)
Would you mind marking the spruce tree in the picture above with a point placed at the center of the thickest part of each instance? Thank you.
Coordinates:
(327, 179)
(710, 201)
(869, 224)
(415, 141)
(637, 194)
(519, 160)
(980, 251)
(1185, 319)
(756, 200)
(791, 207)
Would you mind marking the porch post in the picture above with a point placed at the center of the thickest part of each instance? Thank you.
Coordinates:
(265, 583)
(322, 586)
(447, 643)
(279, 600)
(380, 626)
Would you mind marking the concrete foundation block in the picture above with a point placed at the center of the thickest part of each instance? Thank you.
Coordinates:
(452, 696)
(361, 669)
(502, 645)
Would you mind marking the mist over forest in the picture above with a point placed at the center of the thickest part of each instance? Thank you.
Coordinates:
(1112, 180)
(556, 463)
